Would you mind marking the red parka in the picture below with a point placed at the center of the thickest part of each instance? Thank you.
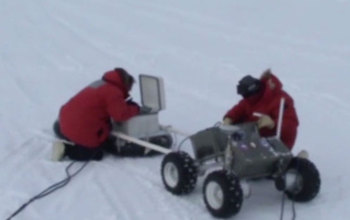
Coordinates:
(86, 118)
(267, 101)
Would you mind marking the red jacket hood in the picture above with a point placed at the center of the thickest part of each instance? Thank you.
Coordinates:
(115, 78)
(268, 90)
(274, 79)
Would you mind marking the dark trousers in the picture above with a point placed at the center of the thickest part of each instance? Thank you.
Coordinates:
(82, 153)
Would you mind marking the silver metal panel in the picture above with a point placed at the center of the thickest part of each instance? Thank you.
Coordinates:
(253, 156)
(139, 126)
(152, 92)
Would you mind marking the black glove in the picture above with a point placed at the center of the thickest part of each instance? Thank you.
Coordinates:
(131, 102)
(145, 110)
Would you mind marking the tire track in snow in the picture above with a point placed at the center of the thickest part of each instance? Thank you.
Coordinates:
(22, 178)
(219, 29)
(79, 31)
(320, 98)
(23, 150)
(118, 207)
(169, 202)
(154, 189)
(146, 182)
(137, 183)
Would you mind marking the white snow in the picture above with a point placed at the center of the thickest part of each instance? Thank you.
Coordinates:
(49, 50)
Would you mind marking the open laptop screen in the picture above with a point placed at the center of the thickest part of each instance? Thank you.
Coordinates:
(152, 92)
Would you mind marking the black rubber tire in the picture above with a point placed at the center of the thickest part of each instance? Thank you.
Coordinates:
(310, 180)
(232, 195)
(182, 165)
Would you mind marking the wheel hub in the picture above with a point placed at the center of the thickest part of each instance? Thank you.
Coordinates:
(171, 174)
(293, 181)
(215, 195)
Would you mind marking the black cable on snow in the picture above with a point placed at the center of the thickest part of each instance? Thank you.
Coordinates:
(294, 213)
(294, 216)
(51, 188)
(282, 206)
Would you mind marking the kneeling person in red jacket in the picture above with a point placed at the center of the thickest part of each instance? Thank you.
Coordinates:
(86, 118)
(263, 96)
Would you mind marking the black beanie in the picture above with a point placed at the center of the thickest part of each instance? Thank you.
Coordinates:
(248, 86)
(128, 79)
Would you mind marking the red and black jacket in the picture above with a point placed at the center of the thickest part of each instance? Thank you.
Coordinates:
(85, 118)
(268, 102)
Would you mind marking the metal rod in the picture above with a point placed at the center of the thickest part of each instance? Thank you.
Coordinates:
(280, 118)
(141, 142)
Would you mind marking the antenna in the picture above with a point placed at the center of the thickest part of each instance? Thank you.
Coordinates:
(280, 118)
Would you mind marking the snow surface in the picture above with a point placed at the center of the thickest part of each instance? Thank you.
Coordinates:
(51, 49)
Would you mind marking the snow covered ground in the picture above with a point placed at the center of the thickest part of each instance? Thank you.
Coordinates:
(51, 49)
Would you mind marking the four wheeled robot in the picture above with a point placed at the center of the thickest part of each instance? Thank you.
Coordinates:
(234, 155)
(229, 156)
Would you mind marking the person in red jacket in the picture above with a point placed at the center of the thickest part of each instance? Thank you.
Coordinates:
(86, 118)
(261, 103)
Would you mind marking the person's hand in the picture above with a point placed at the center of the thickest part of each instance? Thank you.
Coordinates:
(227, 121)
(145, 110)
(266, 121)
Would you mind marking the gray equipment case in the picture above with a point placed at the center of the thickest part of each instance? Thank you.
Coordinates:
(146, 125)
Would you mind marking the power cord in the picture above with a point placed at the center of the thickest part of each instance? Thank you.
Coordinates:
(51, 188)
(294, 214)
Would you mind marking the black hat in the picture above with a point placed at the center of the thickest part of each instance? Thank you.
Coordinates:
(128, 79)
(248, 86)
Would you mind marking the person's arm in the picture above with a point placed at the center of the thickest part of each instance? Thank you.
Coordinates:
(236, 114)
(119, 109)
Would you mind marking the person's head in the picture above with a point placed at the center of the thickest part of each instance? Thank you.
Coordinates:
(128, 80)
(249, 86)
